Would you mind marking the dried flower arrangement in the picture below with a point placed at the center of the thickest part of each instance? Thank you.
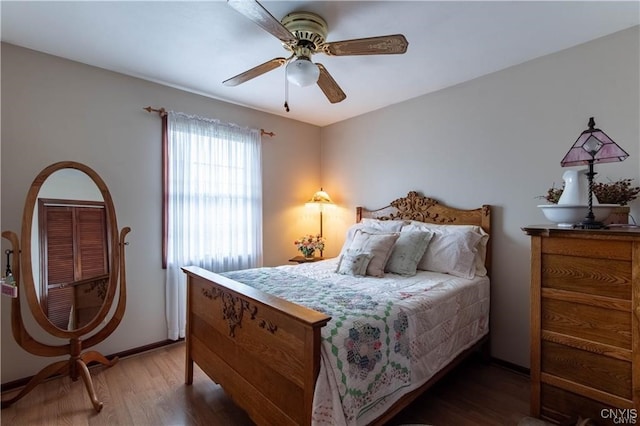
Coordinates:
(553, 194)
(613, 192)
(619, 192)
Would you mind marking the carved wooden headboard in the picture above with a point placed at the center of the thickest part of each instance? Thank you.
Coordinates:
(424, 209)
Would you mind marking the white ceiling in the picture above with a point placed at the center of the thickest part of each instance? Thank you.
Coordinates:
(196, 45)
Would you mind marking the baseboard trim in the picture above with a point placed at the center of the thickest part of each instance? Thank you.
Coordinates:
(19, 383)
(511, 366)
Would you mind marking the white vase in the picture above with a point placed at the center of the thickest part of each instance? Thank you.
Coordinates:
(576, 188)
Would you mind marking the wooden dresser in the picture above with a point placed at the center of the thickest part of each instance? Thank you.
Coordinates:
(585, 324)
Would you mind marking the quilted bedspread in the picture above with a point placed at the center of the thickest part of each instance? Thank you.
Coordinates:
(386, 336)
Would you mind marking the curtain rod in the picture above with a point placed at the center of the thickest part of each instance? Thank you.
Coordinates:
(161, 111)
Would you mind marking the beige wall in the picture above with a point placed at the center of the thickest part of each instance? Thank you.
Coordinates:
(498, 140)
(54, 110)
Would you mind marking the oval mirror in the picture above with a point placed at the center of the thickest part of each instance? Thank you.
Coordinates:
(69, 230)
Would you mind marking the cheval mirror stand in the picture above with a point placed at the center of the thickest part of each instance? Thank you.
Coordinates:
(68, 215)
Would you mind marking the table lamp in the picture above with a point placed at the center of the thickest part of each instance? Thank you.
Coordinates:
(592, 146)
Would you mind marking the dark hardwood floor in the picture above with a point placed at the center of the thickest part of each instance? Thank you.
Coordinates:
(149, 389)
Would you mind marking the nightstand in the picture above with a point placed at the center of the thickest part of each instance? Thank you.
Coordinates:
(302, 259)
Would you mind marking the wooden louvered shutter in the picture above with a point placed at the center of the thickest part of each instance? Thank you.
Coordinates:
(60, 264)
(92, 242)
(76, 249)
(92, 262)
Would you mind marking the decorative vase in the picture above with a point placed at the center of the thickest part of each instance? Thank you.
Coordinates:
(576, 188)
(307, 252)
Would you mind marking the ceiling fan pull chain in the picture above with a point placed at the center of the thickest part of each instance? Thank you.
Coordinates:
(286, 91)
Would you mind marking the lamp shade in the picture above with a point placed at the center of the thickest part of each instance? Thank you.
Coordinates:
(320, 197)
(302, 72)
(593, 145)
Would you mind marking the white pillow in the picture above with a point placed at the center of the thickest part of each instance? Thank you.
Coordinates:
(354, 263)
(384, 225)
(452, 252)
(373, 226)
(479, 250)
(481, 255)
(351, 232)
(379, 245)
(407, 252)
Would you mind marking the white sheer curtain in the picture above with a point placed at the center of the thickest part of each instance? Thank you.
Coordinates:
(215, 204)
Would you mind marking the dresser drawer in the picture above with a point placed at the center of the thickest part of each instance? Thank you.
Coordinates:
(593, 248)
(597, 371)
(601, 277)
(563, 406)
(593, 323)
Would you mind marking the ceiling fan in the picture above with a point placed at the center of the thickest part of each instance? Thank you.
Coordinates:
(303, 34)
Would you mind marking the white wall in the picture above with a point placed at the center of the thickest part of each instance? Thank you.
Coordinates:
(496, 140)
(54, 110)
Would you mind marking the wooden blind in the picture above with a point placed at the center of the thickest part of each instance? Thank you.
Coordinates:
(59, 302)
(59, 241)
(76, 249)
(92, 243)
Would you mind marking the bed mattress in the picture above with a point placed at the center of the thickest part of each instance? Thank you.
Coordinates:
(387, 335)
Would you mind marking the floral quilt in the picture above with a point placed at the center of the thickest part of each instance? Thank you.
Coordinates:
(369, 346)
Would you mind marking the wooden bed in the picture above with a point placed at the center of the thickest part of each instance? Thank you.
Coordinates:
(265, 351)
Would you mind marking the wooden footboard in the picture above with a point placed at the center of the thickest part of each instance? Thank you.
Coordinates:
(263, 350)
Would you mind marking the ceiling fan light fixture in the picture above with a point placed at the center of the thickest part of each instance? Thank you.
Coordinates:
(302, 72)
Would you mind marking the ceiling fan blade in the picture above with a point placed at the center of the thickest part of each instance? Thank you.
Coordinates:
(255, 72)
(261, 16)
(329, 87)
(382, 45)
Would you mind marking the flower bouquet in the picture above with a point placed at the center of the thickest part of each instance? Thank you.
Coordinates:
(308, 244)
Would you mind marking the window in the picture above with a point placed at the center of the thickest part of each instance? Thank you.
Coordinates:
(213, 200)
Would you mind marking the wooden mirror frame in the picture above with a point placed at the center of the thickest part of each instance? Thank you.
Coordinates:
(76, 365)
(26, 258)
